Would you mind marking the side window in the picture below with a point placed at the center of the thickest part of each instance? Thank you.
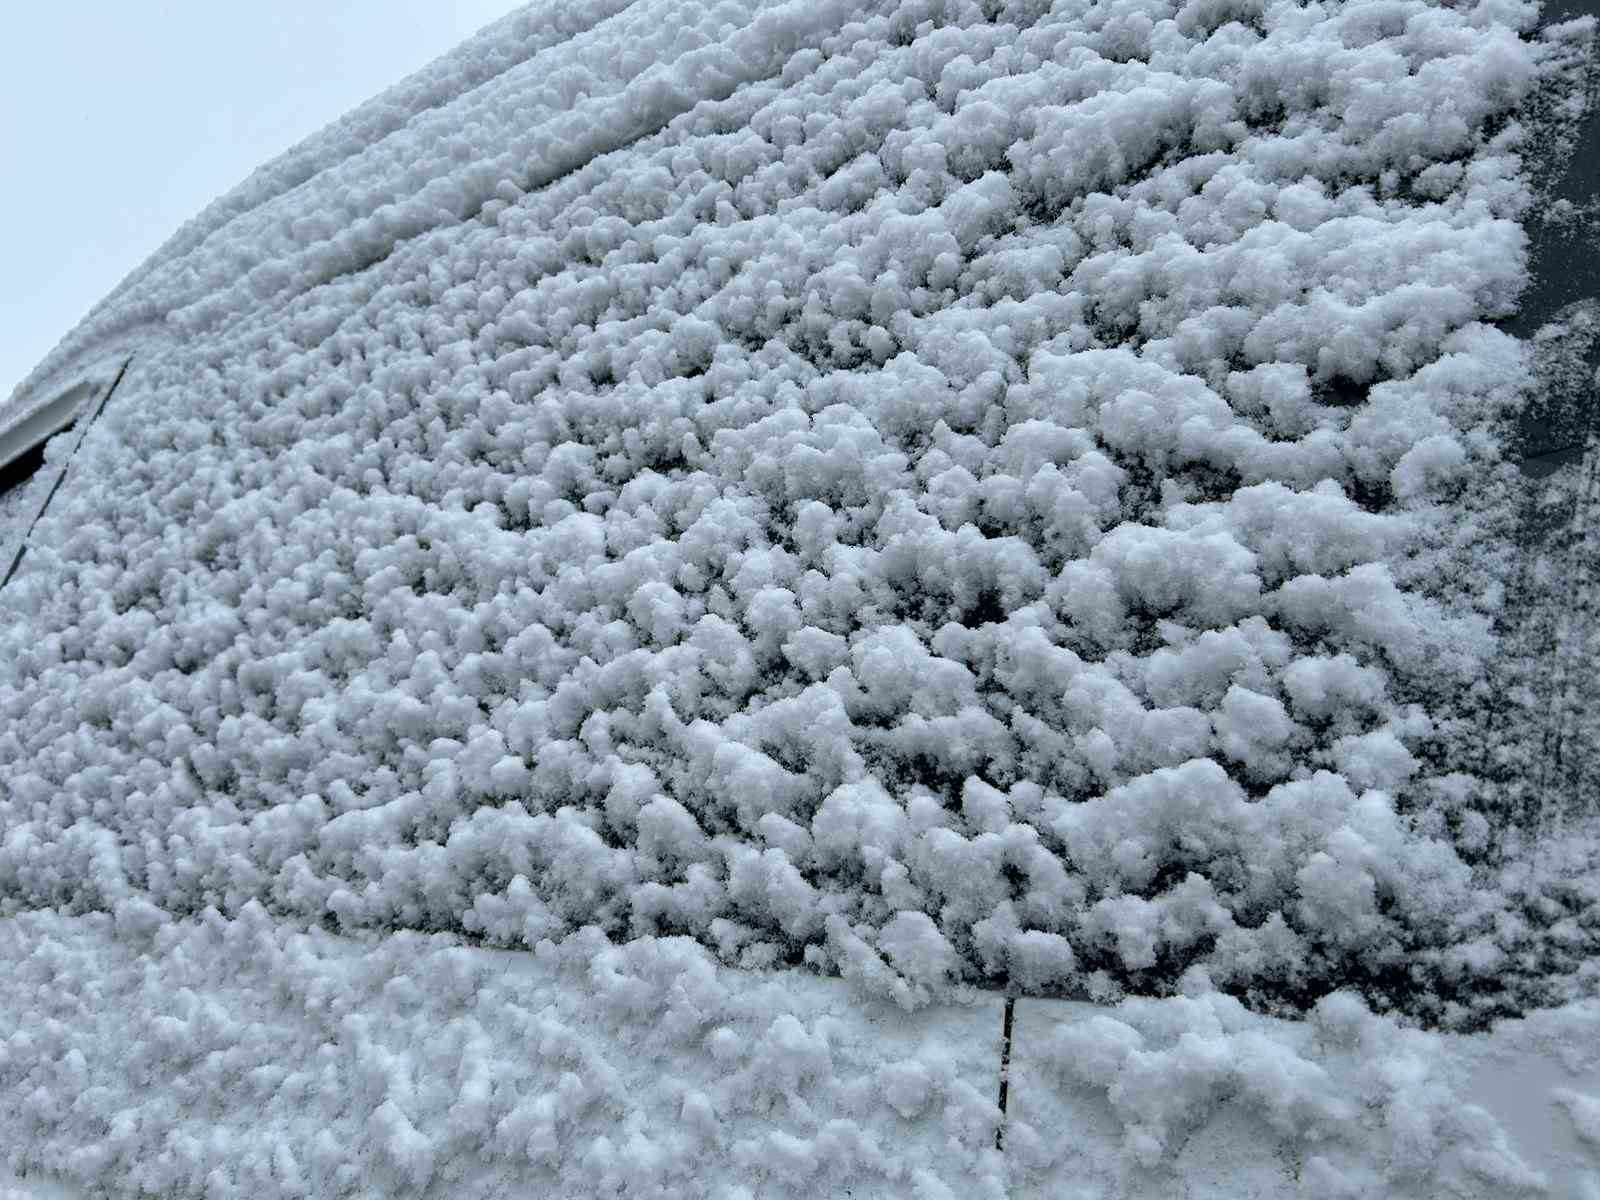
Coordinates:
(22, 446)
(22, 457)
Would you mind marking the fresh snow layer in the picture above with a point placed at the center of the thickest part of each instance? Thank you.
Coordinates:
(238, 1058)
(937, 493)
(637, 580)
(1195, 1097)
(35, 1187)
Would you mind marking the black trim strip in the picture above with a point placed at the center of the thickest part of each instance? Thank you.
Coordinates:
(1005, 1072)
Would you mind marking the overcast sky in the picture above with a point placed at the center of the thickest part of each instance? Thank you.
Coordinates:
(120, 119)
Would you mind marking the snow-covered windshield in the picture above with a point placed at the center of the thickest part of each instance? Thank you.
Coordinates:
(997, 493)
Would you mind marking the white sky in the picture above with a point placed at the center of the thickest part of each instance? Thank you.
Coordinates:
(120, 119)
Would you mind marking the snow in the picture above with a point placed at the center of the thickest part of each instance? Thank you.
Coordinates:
(241, 1057)
(728, 499)
(818, 436)
(1194, 1093)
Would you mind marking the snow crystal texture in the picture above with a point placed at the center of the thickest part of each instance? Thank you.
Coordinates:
(937, 492)
(241, 1058)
